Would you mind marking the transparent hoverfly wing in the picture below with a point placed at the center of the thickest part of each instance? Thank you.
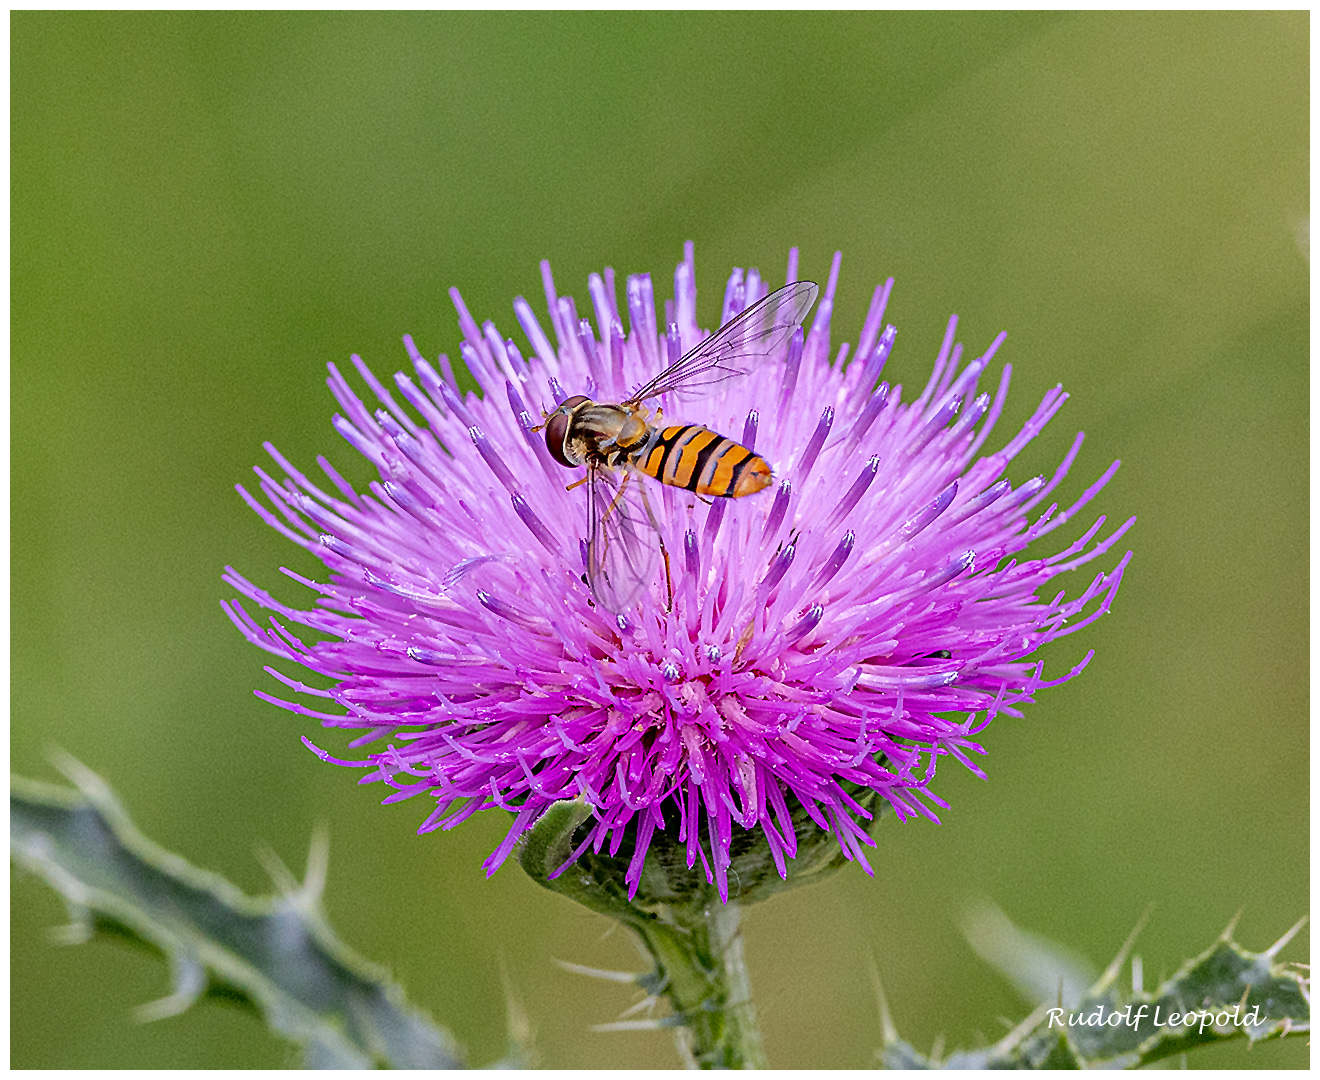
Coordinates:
(621, 541)
(737, 347)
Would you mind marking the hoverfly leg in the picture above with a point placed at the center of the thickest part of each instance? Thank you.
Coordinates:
(669, 581)
(744, 639)
(578, 483)
(618, 495)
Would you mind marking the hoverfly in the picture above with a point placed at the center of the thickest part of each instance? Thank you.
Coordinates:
(615, 442)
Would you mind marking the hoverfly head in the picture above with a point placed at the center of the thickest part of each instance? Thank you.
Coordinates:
(557, 426)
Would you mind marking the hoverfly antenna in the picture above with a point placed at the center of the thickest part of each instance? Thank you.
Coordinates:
(545, 416)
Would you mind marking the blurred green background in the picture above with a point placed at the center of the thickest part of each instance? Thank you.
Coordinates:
(208, 207)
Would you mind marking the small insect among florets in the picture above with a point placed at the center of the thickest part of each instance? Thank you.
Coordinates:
(615, 442)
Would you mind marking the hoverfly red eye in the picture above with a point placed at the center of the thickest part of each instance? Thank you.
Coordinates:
(556, 429)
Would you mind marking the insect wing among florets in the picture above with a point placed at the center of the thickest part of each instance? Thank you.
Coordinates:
(736, 348)
(622, 543)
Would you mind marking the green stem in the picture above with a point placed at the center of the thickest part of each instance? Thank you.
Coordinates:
(676, 913)
(700, 960)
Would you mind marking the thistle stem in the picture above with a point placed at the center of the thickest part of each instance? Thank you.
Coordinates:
(700, 959)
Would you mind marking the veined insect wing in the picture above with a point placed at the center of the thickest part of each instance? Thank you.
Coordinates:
(740, 345)
(622, 543)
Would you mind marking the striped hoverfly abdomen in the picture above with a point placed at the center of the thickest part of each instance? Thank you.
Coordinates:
(694, 457)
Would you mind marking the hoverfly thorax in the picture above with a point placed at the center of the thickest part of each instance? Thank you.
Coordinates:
(581, 431)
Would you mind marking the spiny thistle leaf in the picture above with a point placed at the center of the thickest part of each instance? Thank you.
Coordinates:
(1224, 993)
(275, 954)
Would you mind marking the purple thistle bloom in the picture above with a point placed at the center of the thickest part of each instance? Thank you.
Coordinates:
(839, 631)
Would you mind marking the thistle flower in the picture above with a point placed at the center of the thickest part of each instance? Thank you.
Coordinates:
(837, 633)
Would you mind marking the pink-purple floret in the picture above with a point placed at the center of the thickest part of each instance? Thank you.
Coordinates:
(853, 623)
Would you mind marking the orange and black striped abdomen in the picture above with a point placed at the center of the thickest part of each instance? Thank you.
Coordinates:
(694, 457)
